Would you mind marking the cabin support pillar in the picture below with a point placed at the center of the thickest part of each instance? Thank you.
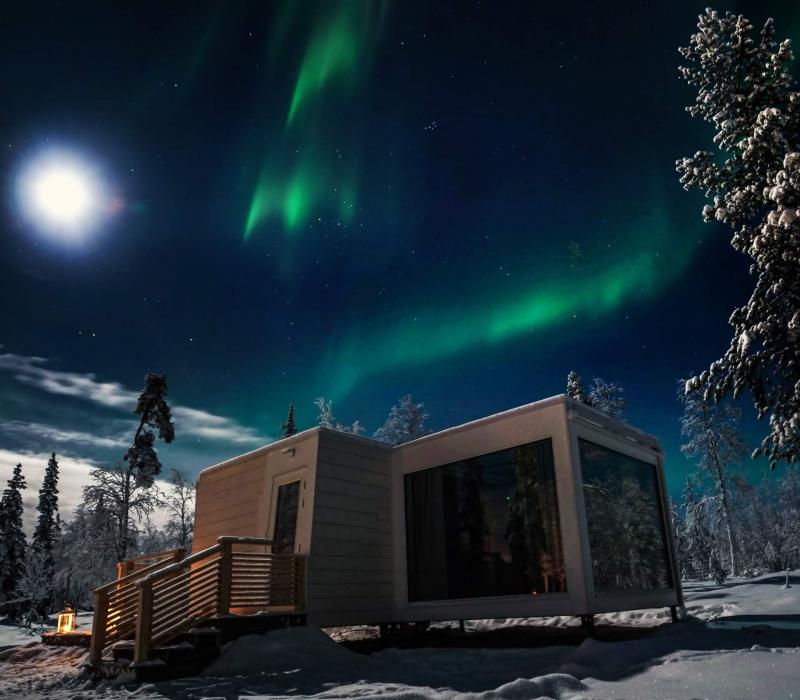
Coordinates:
(587, 622)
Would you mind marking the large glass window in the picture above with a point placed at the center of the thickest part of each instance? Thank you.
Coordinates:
(485, 526)
(623, 512)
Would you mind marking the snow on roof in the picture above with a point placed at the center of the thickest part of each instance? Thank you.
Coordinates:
(590, 414)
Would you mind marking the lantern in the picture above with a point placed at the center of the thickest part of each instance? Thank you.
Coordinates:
(66, 621)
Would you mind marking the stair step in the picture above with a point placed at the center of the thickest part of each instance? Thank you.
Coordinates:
(201, 637)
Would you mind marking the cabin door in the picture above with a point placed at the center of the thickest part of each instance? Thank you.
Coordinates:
(287, 501)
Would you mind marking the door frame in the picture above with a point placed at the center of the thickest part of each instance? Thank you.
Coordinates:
(281, 480)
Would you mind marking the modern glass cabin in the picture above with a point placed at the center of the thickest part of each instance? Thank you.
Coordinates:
(547, 509)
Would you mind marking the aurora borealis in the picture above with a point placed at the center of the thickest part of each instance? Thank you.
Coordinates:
(312, 178)
(357, 199)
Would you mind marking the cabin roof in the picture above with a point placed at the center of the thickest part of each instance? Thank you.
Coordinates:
(575, 408)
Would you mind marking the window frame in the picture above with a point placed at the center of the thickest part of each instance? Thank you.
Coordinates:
(628, 446)
(484, 598)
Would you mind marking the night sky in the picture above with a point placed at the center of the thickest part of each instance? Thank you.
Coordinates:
(353, 199)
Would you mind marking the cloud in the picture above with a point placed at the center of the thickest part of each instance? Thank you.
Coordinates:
(211, 427)
(73, 475)
(33, 371)
(29, 370)
(51, 433)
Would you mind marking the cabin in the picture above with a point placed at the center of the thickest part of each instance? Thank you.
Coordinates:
(552, 508)
(548, 509)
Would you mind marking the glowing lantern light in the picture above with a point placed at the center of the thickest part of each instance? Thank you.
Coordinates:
(66, 621)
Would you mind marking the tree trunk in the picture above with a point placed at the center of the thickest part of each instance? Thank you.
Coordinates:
(723, 490)
(122, 552)
(723, 493)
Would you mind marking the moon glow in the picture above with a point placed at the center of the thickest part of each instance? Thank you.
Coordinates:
(62, 195)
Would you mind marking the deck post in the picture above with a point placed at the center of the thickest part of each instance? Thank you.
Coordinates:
(144, 622)
(225, 577)
(99, 624)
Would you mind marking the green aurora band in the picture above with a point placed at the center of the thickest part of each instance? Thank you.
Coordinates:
(428, 335)
(313, 178)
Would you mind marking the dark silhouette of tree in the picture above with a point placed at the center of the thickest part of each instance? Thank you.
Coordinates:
(45, 536)
(288, 427)
(12, 539)
(154, 414)
(575, 388)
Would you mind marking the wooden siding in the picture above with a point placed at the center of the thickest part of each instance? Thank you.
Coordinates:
(234, 498)
(228, 500)
(350, 576)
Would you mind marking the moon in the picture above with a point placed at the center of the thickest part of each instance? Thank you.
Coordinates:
(61, 194)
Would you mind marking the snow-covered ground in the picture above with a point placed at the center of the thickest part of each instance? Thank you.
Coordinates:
(743, 641)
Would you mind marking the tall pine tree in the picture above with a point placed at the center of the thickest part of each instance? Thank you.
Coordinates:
(289, 427)
(12, 537)
(575, 388)
(46, 533)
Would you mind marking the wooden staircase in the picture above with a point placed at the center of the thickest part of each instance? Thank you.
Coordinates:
(169, 618)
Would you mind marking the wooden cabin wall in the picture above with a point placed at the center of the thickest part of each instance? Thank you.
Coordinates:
(350, 569)
(235, 497)
(228, 499)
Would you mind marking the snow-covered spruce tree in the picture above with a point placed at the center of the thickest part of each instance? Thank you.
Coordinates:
(576, 390)
(712, 437)
(12, 541)
(326, 419)
(45, 536)
(746, 92)
(406, 421)
(288, 428)
(178, 501)
(607, 397)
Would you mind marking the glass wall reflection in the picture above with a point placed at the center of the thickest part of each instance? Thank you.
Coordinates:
(486, 526)
(624, 517)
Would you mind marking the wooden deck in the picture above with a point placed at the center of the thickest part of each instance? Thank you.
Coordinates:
(140, 615)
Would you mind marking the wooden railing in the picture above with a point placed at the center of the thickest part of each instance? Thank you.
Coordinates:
(134, 564)
(158, 602)
(115, 609)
